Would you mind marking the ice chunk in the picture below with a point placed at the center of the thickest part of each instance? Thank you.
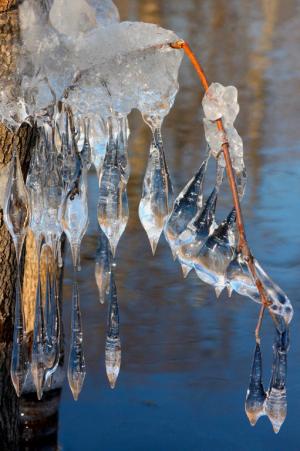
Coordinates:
(221, 102)
(72, 17)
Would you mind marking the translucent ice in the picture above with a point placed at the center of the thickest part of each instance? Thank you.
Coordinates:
(254, 405)
(241, 280)
(103, 266)
(216, 254)
(113, 202)
(113, 344)
(192, 238)
(76, 364)
(185, 208)
(221, 102)
(276, 402)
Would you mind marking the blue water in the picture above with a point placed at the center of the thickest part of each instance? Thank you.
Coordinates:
(187, 356)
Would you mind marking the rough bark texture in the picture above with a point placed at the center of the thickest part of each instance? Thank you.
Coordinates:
(9, 405)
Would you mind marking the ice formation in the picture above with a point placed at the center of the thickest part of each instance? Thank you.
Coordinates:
(76, 81)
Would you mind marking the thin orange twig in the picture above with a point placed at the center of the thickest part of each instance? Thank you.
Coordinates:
(243, 246)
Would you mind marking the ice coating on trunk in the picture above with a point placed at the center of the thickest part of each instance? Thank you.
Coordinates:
(254, 404)
(113, 343)
(192, 238)
(185, 208)
(216, 254)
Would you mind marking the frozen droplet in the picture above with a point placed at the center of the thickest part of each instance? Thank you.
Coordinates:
(216, 253)
(156, 202)
(254, 404)
(113, 201)
(185, 208)
(276, 401)
(191, 240)
(73, 216)
(76, 365)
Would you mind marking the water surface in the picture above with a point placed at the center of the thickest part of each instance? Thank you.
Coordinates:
(187, 356)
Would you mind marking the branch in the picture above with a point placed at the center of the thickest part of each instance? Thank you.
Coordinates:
(243, 246)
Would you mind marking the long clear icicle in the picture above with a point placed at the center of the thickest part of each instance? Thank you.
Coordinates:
(19, 357)
(16, 214)
(76, 365)
(52, 320)
(254, 404)
(156, 202)
(103, 266)
(38, 353)
(113, 201)
(113, 343)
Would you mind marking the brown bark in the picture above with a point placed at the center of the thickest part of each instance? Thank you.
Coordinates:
(9, 405)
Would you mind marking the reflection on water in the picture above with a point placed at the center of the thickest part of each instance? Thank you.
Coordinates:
(186, 356)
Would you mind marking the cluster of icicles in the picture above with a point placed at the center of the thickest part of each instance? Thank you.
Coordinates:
(54, 200)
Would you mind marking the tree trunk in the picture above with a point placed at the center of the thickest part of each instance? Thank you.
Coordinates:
(10, 436)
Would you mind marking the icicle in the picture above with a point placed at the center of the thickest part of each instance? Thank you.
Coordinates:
(276, 402)
(19, 357)
(103, 266)
(122, 146)
(216, 254)
(113, 202)
(16, 214)
(52, 193)
(98, 140)
(73, 216)
(185, 208)
(156, 201)
(254, 405)
(86, 153)
(113, 343)
(16, 207)
(192, 238)
(52, 318)
(38, 354)
(76, 365)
